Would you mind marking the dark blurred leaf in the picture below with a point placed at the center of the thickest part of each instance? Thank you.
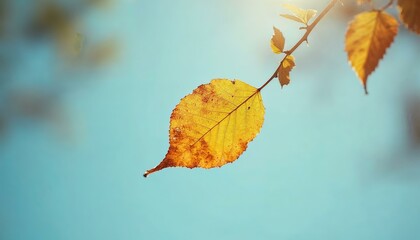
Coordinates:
(53, 20)
(103, 52)
(3, 17)
(413, 119)
(2, 125)
(100, 3)
(31, 104)
(49, 19)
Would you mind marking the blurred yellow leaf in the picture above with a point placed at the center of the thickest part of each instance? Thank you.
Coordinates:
(410, 14)
(367, 39)
(299, 14)
(213, 125)
(285, 68)
(277, 41)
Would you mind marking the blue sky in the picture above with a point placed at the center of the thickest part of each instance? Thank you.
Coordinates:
(329, 163)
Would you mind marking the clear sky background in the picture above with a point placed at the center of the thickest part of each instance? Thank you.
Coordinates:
(329, 163)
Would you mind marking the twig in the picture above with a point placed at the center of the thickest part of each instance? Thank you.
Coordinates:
(304, 38)
(389, 4)
(289, 52)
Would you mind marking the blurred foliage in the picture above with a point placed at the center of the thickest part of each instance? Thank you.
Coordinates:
(60, 26)
(413, 120)
(3, 16)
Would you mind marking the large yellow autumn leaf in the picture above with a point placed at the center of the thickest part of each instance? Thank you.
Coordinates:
(213, 125)
(410, 14)
(367, 38)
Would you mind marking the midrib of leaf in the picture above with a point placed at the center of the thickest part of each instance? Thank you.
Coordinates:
(227, 115)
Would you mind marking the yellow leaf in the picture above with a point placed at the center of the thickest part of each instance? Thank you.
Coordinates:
(410, 14)
(310, 13)
(292, 17)
(368, 37)
(299, 14)
(277, 41)
(213, 125)
(285, 68)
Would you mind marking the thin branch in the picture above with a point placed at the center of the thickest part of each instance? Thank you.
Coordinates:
(389, 4)
(289, 52)
(304, 38)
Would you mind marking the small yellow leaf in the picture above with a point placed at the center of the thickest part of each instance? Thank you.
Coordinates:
(285, 68)
(277, 41)
(410, 14)
(292, 17)
(299, 14)
(368, 37)
(310, 13)
(213, 125)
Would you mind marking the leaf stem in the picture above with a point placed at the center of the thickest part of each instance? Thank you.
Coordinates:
(304, 38)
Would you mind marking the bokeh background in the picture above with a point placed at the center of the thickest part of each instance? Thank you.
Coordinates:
(87, 88)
